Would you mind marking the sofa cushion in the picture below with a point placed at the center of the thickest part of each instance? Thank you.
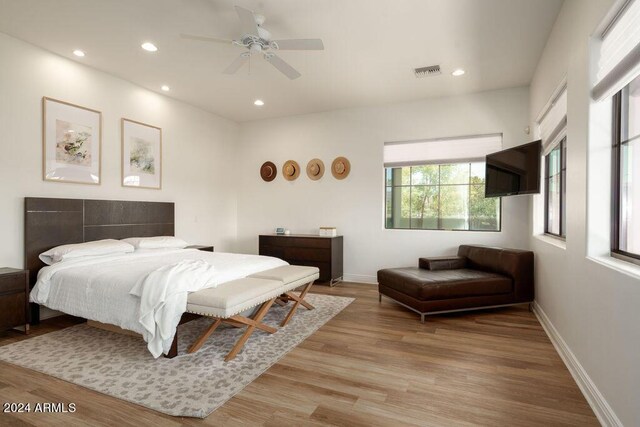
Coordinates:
(444, 284)
(442, 263)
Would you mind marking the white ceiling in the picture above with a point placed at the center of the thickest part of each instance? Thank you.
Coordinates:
(371, 47)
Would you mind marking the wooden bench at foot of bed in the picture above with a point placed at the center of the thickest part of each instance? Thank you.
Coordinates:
(293, 277)
(226, 301)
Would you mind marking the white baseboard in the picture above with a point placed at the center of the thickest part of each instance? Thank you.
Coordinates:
(360, 278)
(596, 400)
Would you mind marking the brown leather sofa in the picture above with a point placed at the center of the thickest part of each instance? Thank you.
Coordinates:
(478, 277)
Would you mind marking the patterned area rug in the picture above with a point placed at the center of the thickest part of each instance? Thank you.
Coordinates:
(191, 385)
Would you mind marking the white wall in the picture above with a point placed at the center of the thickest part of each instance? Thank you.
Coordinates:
(592, 305)
(355, 205)
(199, 149)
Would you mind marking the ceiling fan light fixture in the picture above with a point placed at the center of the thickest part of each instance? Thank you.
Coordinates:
(149, 47)
(258, 102)
(458, 72)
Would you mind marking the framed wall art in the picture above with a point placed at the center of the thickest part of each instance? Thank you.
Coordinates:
(71, 142)
(141, 155)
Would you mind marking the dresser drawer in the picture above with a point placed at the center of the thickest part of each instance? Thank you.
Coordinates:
(303, 242)
(274, 251)
(12, 283)
(13, 310)
(307, 254)
(293, 254)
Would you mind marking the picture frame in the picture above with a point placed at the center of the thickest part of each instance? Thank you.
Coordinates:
(71, 143)
(141, 155)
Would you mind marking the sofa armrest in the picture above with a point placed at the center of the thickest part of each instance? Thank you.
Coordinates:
(443, 263)
(514, 263)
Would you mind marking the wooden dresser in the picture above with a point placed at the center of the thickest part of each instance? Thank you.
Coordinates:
(14, 299)
(307, 249)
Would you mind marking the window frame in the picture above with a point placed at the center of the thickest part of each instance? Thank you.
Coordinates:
(616, 159)
(468, 162)
(562, 146)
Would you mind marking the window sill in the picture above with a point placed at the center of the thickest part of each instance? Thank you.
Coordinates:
(618, 265)
(554, 241)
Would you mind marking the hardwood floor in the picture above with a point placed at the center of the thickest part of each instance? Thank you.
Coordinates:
(373, 364)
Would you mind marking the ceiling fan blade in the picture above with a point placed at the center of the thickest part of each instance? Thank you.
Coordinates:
(205, 38)
(247, 22)
(299, 44)
(282, 66)
(237, 63)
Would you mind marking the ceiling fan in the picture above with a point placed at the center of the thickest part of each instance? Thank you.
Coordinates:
(256, 39)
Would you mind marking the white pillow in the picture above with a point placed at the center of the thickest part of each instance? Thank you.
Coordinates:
(77, 250)
(158, 242)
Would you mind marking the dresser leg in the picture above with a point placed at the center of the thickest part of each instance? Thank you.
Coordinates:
(26, 329)
(333, 282)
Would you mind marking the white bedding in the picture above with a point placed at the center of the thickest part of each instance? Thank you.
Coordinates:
(98, 288)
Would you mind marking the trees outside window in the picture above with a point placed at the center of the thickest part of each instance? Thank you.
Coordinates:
(440, 197)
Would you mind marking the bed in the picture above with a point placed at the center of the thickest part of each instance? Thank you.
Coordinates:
(92, 288)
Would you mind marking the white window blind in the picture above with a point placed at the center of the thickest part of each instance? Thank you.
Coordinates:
(442, 150)
(619, 56)
(554, 121)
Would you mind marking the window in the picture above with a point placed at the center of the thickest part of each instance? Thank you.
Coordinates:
(626, 171)
(438, 184)
(552, 126)
(440, 197)
(556, 190)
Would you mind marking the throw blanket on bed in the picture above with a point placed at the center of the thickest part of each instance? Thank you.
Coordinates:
(163, 298)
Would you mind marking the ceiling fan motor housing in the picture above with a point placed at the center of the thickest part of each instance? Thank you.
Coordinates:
(257, 44)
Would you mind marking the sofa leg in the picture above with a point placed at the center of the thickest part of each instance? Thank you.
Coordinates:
(379, 297)
(421, 317)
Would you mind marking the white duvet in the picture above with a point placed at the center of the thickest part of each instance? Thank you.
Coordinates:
(145, 291)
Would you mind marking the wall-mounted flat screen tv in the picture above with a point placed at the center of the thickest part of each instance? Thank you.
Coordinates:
(514, 171)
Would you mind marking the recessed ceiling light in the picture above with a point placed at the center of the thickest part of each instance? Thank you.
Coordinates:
(149, 47)
(78, 53)
(458, 72)
(165, 88)
(258, 102)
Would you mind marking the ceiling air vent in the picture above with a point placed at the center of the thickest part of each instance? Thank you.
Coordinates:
(432, 70)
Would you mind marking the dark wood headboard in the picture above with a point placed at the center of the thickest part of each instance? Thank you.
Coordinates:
(53, 222)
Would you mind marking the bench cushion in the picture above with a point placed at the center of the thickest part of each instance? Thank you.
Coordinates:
(231, 298)
(291, 276)
(287, 273)
(444, 284)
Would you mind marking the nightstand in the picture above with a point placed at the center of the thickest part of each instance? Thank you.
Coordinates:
(14, 299)
(201, 248)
